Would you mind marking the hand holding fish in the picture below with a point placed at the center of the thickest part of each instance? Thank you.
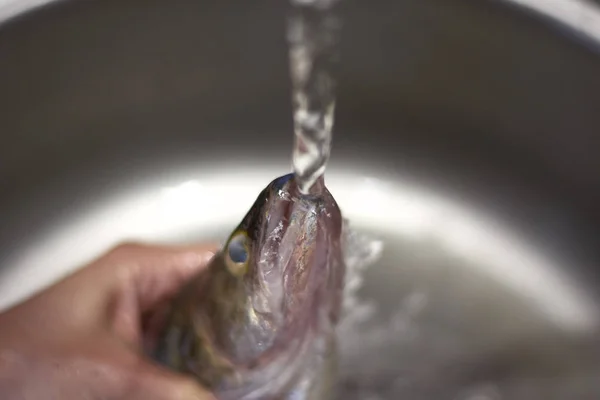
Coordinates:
(259, 323)
(84, 337)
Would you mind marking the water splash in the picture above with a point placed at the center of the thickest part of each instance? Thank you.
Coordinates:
(313, 33)
(361, 251)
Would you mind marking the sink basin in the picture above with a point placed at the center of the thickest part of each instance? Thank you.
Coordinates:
(466, 142)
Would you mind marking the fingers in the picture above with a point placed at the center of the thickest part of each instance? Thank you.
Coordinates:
(155, 273)
(117, 290)
(138, 249)
(143, 278)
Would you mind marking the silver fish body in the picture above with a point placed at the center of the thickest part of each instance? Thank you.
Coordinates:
(259, 322)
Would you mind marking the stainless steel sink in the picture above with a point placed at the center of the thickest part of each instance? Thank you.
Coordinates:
(467, 141)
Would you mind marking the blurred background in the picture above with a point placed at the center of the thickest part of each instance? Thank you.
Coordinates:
(466, 143)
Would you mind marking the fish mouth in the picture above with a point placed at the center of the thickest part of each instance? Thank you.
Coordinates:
(285, 198)
(283, 227)
(280, 183)
(277, 211)
(278, 214)
(293, 223)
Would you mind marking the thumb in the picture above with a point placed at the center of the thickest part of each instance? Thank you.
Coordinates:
(157, 383)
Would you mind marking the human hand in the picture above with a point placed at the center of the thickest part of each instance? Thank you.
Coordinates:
(84, 337)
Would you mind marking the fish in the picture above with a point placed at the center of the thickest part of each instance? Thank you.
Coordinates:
(260, 321)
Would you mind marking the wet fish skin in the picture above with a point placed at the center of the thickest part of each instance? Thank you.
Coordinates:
(259, 322)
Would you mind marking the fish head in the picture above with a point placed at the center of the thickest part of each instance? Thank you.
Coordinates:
(277, 261)
(282, 246)
(263, 292)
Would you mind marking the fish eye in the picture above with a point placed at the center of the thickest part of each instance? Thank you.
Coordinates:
(237, 254)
